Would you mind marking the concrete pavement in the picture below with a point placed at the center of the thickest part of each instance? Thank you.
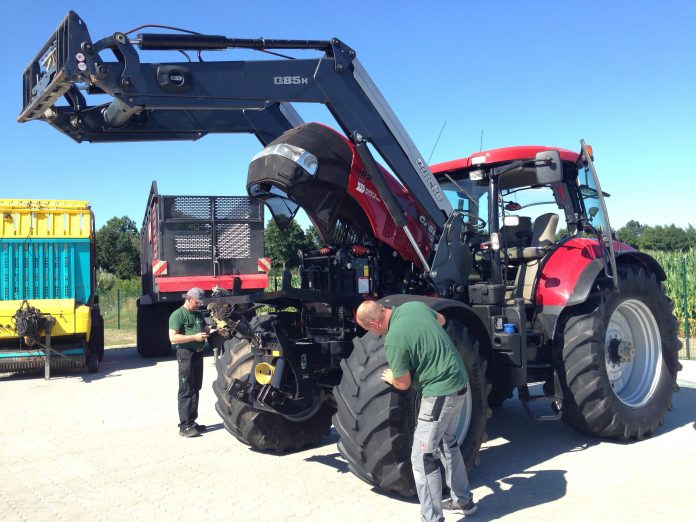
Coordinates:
(106, 447)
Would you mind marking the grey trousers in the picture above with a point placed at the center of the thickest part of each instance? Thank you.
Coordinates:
(433, 440)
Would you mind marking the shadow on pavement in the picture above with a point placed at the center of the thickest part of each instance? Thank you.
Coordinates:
(115, 360)
(214, 427)
(517, 445)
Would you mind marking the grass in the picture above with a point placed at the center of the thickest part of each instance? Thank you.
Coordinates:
(122, 337)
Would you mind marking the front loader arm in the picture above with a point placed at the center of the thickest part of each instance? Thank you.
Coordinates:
(164, 101)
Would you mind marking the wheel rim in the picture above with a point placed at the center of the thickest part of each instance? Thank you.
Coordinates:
(633, 353)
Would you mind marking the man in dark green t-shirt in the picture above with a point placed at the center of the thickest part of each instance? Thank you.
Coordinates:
(187, 329)
(421, 355)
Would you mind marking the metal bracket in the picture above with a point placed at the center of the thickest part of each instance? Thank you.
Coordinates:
(343, 55)
(554, 400)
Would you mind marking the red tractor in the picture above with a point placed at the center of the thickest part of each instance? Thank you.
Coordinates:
(580, 313)
(477, 239)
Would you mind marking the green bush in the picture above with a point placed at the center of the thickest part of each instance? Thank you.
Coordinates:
(118, 301)
(105, 280)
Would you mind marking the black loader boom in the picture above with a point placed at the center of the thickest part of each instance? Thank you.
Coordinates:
(187, 100)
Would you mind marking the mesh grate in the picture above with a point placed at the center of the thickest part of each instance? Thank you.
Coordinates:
(194, 242)
(236, 208)
(234, 240)
(191, 207)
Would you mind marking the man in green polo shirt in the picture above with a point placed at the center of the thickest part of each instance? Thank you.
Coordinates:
(420, 354)
(187, 329)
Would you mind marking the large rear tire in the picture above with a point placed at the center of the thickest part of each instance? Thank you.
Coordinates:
(376, 422)
(260, 429)
(153, 330)
(618, 366)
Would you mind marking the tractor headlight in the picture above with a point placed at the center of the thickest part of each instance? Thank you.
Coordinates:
(301, 157)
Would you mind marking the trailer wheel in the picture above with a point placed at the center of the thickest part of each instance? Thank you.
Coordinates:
(92, 362)
(619, 365)
(96, 335)
(376, 422)
(262, 429)
(152, 331)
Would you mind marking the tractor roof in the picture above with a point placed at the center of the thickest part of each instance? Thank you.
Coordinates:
(502, 155)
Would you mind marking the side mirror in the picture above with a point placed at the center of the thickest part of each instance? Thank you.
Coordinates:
(549, 168)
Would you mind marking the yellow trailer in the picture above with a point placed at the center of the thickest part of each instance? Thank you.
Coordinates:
(49, 311)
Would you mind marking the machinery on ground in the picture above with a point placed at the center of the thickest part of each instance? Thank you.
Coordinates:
(203, 241)
(49, 308)
(475, 238)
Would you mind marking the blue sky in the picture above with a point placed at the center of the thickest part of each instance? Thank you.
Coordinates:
(621, 75)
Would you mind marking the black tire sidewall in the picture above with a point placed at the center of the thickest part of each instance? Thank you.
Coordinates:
(590, 403)
(646, 290)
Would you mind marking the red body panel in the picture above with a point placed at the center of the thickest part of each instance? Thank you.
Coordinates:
(560, 273)
(500, 156)
(363, 190)
(183, 283)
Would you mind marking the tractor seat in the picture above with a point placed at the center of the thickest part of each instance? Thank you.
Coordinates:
(543, 239)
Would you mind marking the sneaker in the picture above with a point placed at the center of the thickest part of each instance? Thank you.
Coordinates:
(189, 431)
(200, 428)
(450, 506)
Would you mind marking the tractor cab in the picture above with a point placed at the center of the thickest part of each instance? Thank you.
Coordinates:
(520, 204)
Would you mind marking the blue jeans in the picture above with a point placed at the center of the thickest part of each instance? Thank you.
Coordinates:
(433, 440)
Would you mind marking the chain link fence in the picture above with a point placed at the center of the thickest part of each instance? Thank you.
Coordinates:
(118, 307)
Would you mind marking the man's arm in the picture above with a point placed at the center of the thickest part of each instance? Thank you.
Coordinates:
(177, 338)
(440, 318)
(402, 382)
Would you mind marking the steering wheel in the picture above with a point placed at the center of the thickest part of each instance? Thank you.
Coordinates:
(474, 223)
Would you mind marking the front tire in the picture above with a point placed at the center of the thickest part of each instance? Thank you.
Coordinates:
(376, 422)
(261, 429)
(619, 363)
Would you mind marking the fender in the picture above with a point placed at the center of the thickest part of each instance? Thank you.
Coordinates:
(439, 304)
(574, 262)
(568, 275)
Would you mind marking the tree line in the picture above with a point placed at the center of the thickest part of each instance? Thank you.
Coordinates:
(118, 243)
(668, 238)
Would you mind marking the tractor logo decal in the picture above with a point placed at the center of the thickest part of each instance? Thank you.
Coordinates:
(429, 179)
(290, 80)
(362, 189)
(424, 221)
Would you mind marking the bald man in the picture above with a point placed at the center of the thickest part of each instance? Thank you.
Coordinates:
(421, 355)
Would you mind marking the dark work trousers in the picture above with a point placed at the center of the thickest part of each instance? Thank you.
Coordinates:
(190, 382)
